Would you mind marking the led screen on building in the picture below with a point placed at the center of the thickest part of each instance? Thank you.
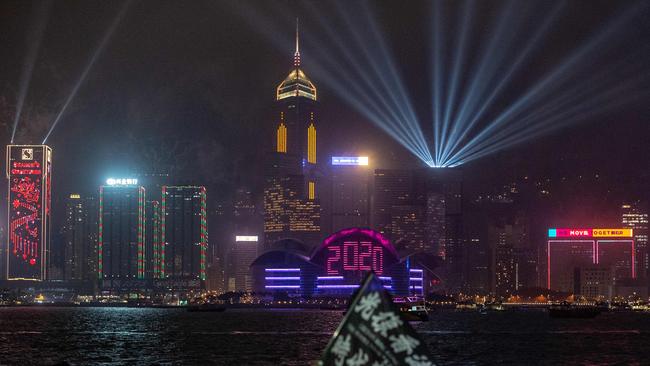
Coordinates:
(29, 174)
(349, 254)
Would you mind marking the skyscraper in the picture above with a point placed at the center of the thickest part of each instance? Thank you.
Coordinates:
(501, 240)
(239, 259)
(292, 188)
(121, 242)
(75, 250)
(350, 193)
(153, 250)
(29, 171)
(296, 118)
(91, 234)
(392, 187)
(635, 216)
(420, 206)
(184, 235)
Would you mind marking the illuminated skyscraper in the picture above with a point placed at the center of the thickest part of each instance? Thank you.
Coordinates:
(241, 256)
(296, 118)
(350, 192)
(292, 188)
(421, 206)
(80, 238)
(408, 223)
(635, 216)
(121, 242)
(29, 169)
(153, 247)
(91, 234)
(184, 234)
(392, 188)
(75, 238)
(501, 239)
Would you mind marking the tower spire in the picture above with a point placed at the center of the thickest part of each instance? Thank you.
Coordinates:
(296, 55)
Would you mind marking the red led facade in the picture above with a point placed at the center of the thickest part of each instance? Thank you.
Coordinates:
(29, 174)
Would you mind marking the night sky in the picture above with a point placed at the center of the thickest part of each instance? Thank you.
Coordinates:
(188, 89)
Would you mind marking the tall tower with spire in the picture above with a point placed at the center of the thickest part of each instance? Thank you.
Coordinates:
(291, 193)
(297, 99)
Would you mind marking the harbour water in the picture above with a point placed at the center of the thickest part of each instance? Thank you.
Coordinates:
(111, 336)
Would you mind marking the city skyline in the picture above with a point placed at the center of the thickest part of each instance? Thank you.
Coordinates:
(421, 209)
(325, 182)
(263, 63)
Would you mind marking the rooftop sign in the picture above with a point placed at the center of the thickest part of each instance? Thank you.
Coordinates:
(590, 233)
(121, 181)
(349, 160)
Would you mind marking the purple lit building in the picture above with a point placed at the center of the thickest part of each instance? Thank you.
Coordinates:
(339, 263)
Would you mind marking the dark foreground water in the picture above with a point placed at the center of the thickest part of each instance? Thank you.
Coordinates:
(82, 336)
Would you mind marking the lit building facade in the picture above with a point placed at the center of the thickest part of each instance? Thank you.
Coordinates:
(337, 266)
(421, 207)
(350, 193)
(153, 246)
(292, 180)
(29, 174)
(91, 234)
(74, 235)
(594, 282)
(504, 279)
(121, 239)
(184, 235)
(296, 118)
(635, 216)
(240, 258)
(568, 250)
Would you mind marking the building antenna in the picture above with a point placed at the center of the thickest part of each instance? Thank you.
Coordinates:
(296, 55)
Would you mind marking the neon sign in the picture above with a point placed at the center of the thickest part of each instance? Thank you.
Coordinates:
(612, 233)
(349, 160)
(121, 181)
(354, 256)
(588, 233)
(245, 238)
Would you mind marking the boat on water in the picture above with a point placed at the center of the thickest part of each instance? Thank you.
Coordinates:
(206, 308)
(412, 308)
(566, 310)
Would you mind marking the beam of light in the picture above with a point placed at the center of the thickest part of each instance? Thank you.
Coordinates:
(382, 79)
(490, 59)
(588, 98)
(387, 108)
(403, 98)
(436, 81)
(102, 44)
(550, 84)
(572, 106)
(352, 58)
(531, 44)
(34, 38)
(458, 62)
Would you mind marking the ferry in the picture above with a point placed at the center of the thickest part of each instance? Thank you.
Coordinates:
(412, 308)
